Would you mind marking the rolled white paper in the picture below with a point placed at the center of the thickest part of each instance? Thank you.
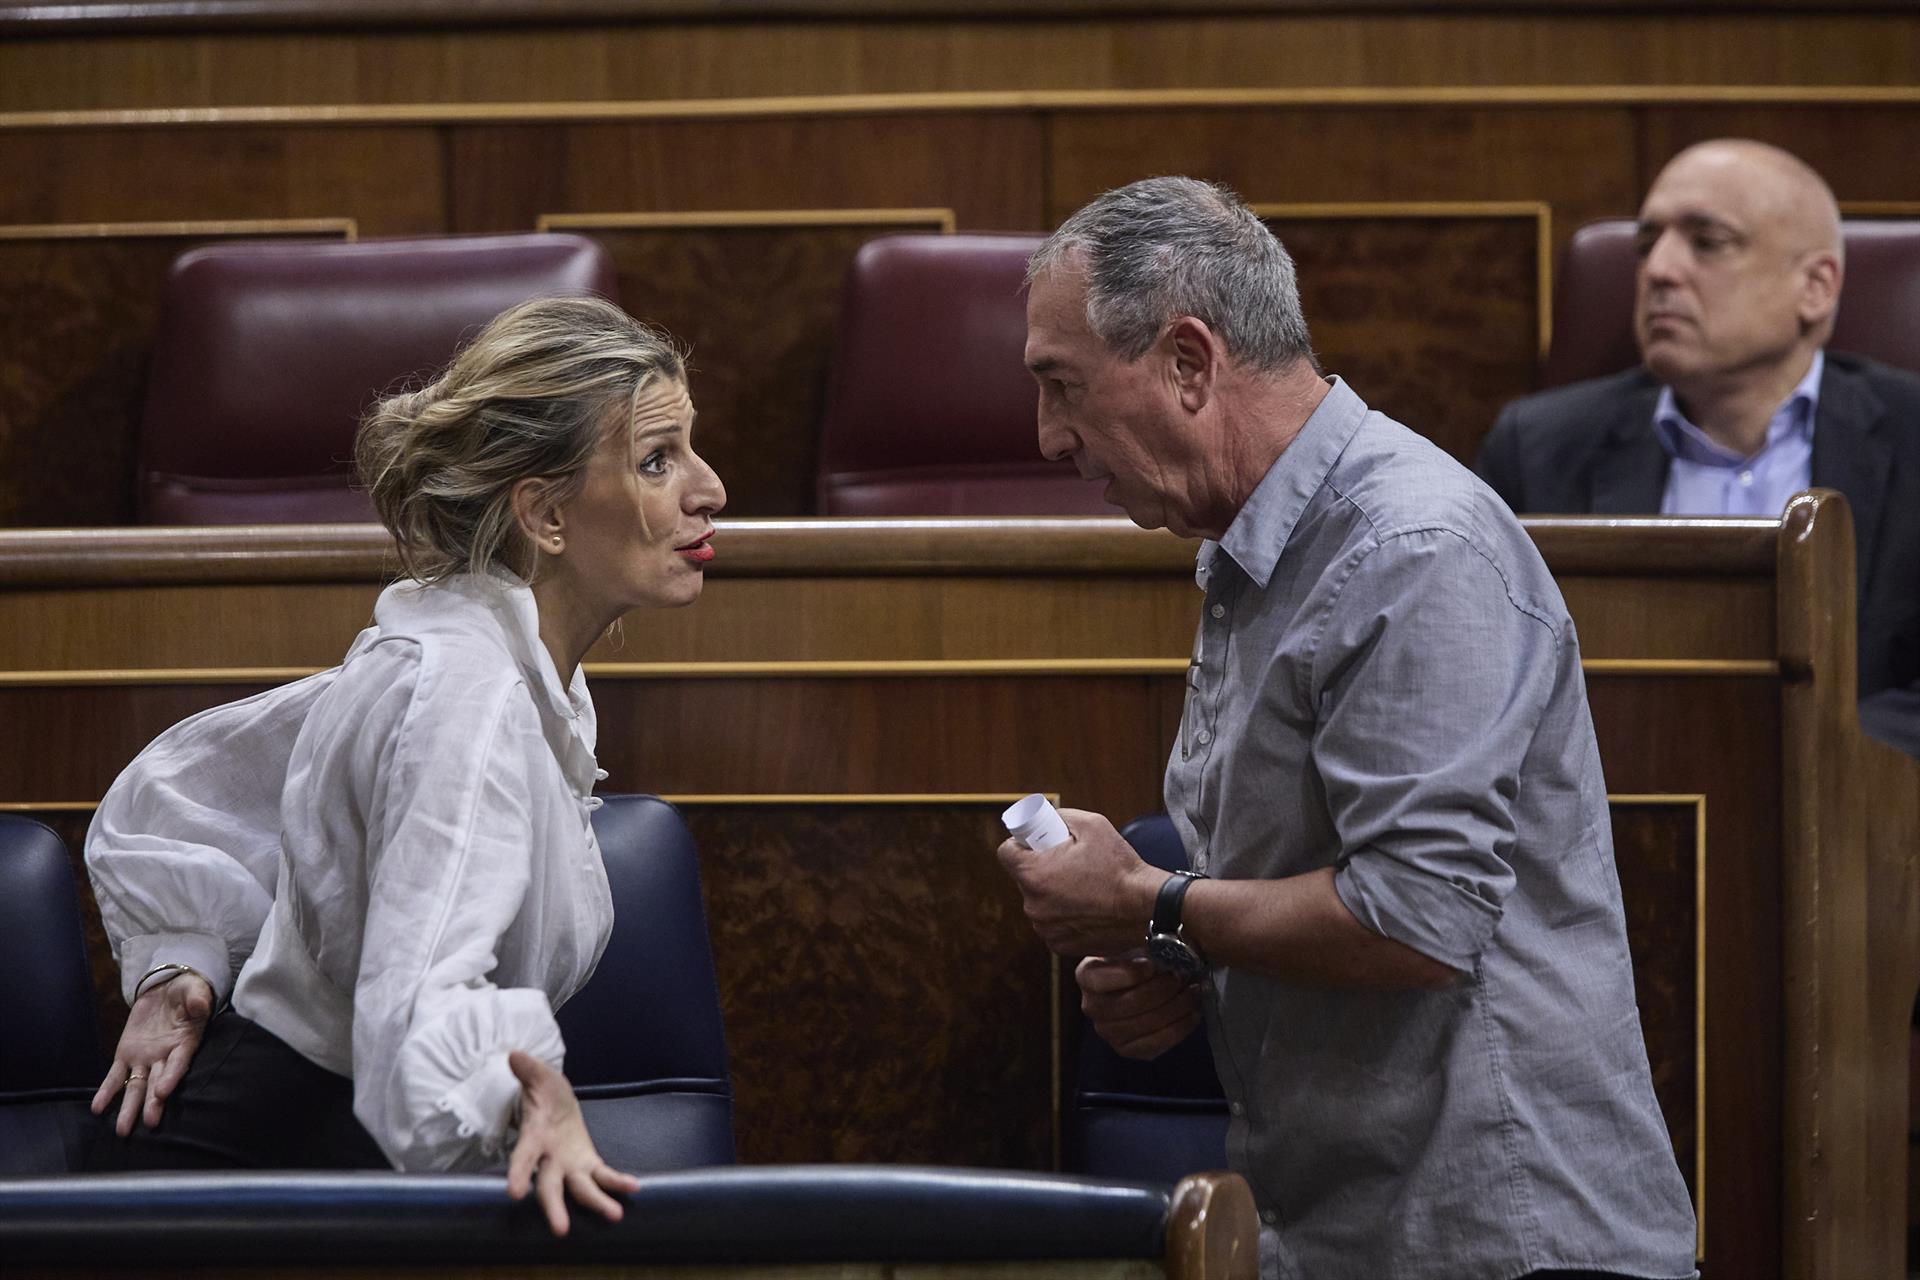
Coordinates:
(1035, 823)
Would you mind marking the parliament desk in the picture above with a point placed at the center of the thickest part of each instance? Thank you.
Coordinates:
(846, 709)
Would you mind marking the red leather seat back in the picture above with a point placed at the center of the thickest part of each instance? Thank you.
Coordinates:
(930, 409)
(269, 353)
(1879, 314)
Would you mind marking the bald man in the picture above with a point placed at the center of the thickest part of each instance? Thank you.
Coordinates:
(1737, 405)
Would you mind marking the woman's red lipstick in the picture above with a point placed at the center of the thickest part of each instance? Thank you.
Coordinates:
(699, 552)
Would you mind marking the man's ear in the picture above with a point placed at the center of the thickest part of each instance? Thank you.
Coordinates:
(1196, 361)
(1820, 289)
(538, 515)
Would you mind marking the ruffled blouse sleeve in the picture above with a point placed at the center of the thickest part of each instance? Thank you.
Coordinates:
(450, 845)
(184, 850)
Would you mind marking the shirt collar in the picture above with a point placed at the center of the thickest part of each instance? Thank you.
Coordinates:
(1682, 440)
(1261, 527)
(500, 604)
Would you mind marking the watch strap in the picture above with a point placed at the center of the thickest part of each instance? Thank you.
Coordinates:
(1166, 904)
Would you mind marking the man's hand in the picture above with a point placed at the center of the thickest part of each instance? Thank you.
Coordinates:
(554, 1152)
(1137, 1009)
(163, 1031)
(1090, 896)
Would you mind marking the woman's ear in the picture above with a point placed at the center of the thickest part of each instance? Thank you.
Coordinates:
(538, 515)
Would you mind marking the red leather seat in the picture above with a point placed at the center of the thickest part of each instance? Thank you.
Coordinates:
(930, 409)
(268, 354)
(1879, 314)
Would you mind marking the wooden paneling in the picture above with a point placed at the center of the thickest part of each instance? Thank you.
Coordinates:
(80, 307)
(757, 306)
(1864, 152)
(1672, 735)
(1809, 929)
(692, 59)
(1659, 843)
(1421, 293)
(894, 736)
(1433, 313)
(1662, 618)
(986, 167)
(389, 180)
(1578, 159)
(928, 1025)
(765, 735)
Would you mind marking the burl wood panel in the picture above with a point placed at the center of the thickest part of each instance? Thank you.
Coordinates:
(1720, 737)
(1656, 849)
(77, 317)
(884, 996)
(1435, 321)
(758, 307)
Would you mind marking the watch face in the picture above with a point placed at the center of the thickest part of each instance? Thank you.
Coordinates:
(1170, 955)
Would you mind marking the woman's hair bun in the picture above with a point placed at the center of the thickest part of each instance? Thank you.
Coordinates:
(532, 395)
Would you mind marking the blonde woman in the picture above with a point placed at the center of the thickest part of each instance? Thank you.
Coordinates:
(384, 876)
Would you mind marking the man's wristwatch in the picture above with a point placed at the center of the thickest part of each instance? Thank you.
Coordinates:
(1170, 952)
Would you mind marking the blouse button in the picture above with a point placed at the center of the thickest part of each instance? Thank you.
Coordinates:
(1218, 611)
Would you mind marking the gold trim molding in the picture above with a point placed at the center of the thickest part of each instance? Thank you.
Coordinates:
(1698, 802)
(1511, 96)
(346, 228)
(727, 219)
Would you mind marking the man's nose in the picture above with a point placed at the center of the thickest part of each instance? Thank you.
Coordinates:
(1664, 258)
(1056, 442)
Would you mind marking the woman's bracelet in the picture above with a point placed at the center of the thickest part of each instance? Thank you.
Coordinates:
(173, 969)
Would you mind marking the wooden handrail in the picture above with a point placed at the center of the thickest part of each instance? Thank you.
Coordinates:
(825, 547)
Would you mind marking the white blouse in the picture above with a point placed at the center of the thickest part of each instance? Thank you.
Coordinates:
(394, 856)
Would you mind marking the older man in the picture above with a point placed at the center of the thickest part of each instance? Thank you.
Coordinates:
(1738, 406)
(1406, 935)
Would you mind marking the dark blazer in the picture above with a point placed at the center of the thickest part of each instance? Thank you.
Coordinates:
(1590, 448)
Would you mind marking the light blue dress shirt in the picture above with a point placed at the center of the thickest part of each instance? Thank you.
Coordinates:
(1386, 681)
(1707, 479)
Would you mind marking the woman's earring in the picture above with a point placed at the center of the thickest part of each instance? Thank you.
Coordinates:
(556, 542)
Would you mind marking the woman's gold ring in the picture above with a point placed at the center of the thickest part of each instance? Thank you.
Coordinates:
(135, 1075)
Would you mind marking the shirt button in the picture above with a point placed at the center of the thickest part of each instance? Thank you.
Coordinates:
(1234, 1108)
(1203, 737)
(1746, 477)
(1218, 611)
(1269, 1217)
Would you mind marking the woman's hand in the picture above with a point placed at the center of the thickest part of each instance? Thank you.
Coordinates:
(554, 1153)
(161, 1035)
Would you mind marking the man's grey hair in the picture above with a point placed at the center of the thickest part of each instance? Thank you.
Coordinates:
(1163, 248)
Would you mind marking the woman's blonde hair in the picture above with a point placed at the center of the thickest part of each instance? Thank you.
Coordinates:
(532, 396)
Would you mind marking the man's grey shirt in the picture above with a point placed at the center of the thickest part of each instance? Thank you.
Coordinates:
(1386, 682)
